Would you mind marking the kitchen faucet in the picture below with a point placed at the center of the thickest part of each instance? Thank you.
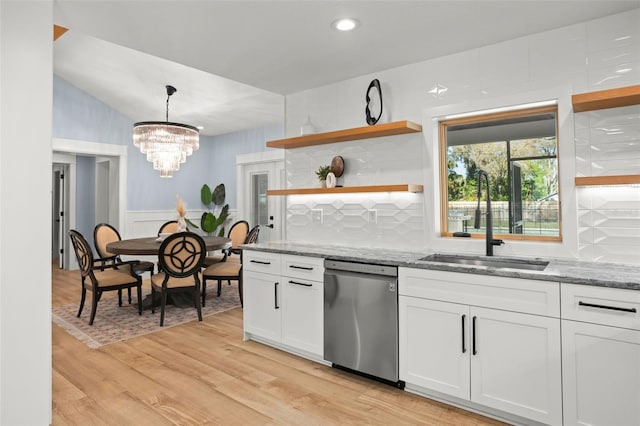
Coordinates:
(489, 223)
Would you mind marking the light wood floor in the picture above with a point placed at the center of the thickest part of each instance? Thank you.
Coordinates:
(202, 373)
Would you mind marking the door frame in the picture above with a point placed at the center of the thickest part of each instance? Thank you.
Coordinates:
(243, 203)
(64, 152)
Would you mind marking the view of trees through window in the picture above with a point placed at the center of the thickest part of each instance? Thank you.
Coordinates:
(519, 152)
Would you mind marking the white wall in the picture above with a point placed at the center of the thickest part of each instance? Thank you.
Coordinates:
(25, 175)
(596, 55)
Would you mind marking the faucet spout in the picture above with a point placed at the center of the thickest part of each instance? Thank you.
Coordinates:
(490, 241)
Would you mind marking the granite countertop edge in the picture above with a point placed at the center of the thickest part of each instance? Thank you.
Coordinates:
(599, 274)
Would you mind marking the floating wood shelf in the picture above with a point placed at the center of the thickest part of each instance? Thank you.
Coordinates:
(607, 180)
(347, 189)
(603, 99)
(376, 131)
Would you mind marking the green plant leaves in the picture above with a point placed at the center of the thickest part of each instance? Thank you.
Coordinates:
(218, 195)
(209, 222)
(205, 195)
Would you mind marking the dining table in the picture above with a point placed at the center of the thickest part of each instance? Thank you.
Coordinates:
(150, 246)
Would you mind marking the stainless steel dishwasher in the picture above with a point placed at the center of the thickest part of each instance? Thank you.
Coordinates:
(361, 318)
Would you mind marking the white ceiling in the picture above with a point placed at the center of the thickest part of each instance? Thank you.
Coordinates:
(232, 61)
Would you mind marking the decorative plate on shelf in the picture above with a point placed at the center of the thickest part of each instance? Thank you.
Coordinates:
(337, 166)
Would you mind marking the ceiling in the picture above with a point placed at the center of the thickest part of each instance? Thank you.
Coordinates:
(232, 61)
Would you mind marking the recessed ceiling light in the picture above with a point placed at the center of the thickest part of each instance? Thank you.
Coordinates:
(345, 24)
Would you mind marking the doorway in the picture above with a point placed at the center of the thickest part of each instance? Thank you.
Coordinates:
(255, 174)
(110, 181)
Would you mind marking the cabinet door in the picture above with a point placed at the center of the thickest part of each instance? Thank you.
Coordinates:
(434, 345)
(302, 315)
(262, 303)
(601, 374)
(515, 363)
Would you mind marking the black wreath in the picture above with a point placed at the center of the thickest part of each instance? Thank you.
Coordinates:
(371, 120)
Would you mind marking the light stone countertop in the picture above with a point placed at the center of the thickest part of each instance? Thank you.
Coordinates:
(559, 270)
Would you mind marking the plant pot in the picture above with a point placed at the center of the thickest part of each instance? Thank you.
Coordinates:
(323, 184)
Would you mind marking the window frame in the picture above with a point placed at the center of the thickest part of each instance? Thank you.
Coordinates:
(445, 122)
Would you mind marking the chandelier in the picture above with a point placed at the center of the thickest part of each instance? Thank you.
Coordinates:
(166, 144)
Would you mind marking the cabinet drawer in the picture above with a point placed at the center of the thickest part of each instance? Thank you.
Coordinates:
(511, 294)
(260, 261)
(601, 305)
(309, 268)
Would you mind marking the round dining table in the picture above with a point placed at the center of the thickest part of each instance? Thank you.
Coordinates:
(151, 245)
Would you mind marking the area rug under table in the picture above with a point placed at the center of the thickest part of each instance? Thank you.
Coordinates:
(115, 323)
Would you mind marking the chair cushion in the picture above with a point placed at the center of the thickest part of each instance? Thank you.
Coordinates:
(157, 279)
(222, 269)
(110, 277)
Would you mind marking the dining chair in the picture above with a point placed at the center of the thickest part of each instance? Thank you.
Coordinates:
(237, 234)
(98, 277)
(168, 227)
(230, 269)
(104, 234)
(180, 258)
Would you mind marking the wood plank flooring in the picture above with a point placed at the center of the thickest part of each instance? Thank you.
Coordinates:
(202, 373)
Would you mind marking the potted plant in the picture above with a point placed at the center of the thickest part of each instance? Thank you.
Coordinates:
(322, 173)
(212, 221)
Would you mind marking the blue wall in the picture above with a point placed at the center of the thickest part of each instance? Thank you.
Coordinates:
(85, 196)
(77, 115)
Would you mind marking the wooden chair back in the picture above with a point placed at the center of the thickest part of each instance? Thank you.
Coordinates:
(182, 254)
(104, 234)
(252, 236)
(168, 227)
(84, 254)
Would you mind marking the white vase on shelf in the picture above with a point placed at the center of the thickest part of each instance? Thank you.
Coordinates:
(182, 224)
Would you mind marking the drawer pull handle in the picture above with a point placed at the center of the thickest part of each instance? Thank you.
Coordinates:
(473, 331)
(306, 268)
(260, 262)
(464, 348)
(613, 308)
(299, 283)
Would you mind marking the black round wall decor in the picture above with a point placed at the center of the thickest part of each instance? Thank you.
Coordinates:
(374, 101)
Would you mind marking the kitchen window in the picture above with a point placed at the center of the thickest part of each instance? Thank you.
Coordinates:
(519, 150)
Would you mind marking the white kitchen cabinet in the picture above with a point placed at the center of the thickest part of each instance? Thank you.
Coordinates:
(600, 356)
(496, 358)
(434, 345)
(261, 305)
(516, 363)
(284, 301)
(302, 315)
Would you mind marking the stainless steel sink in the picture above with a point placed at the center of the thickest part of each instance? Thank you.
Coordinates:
(499, 263)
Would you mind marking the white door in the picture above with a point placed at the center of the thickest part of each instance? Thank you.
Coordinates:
(601, 374)
(515, 364)
(256, 173)
(434, 345)
(58, 212)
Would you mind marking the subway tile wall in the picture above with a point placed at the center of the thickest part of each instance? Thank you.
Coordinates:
(609, 224)
(596, 55)
(393, 220)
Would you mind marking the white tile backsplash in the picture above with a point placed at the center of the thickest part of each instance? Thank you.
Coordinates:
(596, 55)
(609, 223)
